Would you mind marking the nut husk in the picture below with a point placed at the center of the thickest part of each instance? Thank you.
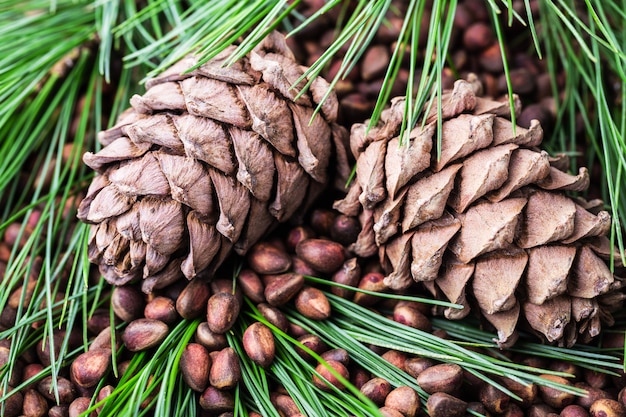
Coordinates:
(195, 364)
(607, 408)
(143, 334)
(265, 258)
(312, 303)
(553, 396)
(209, 339)
(441, 404)
(217, 401)
(222, 312)
(258, 342)
(376, 389)
(445, 377)
(35, 404)
(405, 400)
(323, 255)
(13, 404)
(89, 367)
(128, 303)
(192, 300)
(328, 376)
(225, 371)
(283, 288)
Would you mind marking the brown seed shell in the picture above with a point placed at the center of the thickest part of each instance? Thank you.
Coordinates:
(445, 377)
(13, 404)
(312, 342)
(209, 339)
(372, 281)
(389, 412)
(415, 366)
(323, 255)
(348, 274)
(65, 388)
(258, 342)
(163, 309)
(376, 389)
(251, 285)
(222, 312)
(128, 303)
(195, 364)
(493, 399)
(79, 406)
(312, 303)
(328, 376)
(225, 371)
(339, 355)
(574, 410)
(607, 408)
(593, 394)
(59, 411)
(89, 367)
(143, 334)
(217, 401)
(405, 400)
(441, 404)
(283, 288)
(410, 315)
(553, 396)
(274, 316)
(266, 258)
(34, 404)
(286, 405)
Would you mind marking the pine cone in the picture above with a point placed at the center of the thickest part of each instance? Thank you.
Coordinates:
(487, 224)
(207, 161)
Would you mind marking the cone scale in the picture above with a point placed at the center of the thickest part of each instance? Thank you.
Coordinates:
(206, 162)
(488, 224)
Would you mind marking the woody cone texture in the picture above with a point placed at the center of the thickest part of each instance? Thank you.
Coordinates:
(487, 224)
(207, 162)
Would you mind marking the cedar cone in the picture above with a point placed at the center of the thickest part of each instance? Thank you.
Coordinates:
(206, 161)
(487, 224)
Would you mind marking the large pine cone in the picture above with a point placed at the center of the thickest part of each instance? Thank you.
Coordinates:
(487, 224)
(208, 161)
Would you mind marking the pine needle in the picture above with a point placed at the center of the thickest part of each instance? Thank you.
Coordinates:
(154, 383)
(352, 325)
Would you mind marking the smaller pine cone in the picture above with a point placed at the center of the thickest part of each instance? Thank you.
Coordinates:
(207, 161)
(486, 223)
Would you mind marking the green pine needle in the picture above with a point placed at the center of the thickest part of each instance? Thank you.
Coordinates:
(153, 384)
(353, 327)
